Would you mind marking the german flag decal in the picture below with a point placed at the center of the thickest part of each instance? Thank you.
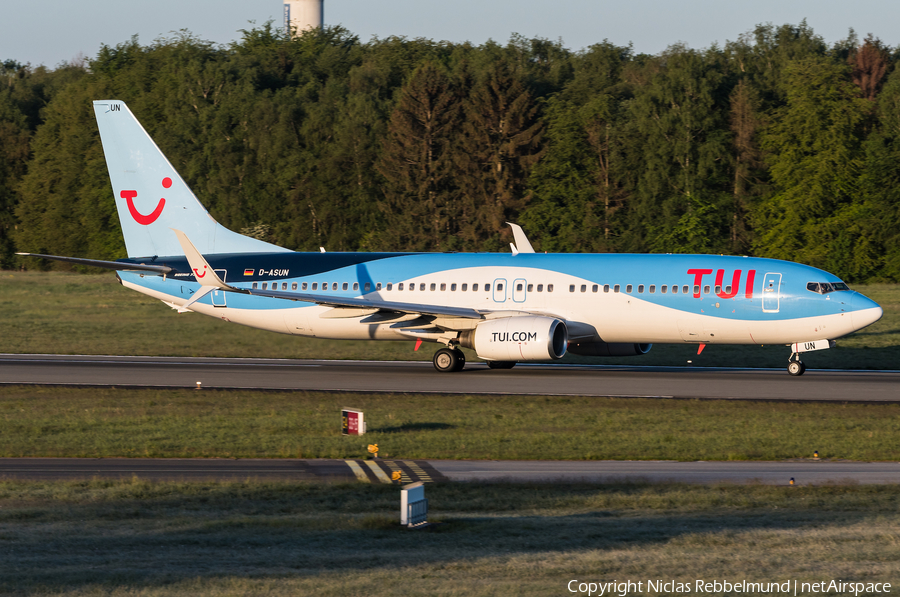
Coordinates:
(248, 272)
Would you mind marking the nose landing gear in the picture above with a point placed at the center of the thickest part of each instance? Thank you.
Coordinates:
(448, 360)
(795, 365)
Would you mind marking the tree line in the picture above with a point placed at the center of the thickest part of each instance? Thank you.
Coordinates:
(776, 145)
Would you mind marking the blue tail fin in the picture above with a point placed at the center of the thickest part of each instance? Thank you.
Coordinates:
(152, 198)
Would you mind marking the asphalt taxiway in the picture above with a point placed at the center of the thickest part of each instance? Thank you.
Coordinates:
(420, 377)
(803, 472)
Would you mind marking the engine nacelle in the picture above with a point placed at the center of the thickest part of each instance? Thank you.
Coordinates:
(527, 338)
(603, 349)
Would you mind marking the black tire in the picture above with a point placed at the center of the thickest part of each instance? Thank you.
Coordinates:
(796, 368)
(461, 359)
(501, 364)
(446, 360)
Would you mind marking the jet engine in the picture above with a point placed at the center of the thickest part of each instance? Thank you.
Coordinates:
(526, 338)
(604, 349)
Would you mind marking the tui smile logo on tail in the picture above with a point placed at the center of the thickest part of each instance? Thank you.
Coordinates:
(140, 218)
(198, 274)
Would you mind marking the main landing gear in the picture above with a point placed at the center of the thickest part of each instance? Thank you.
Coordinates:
(449, 359)
(795, 365)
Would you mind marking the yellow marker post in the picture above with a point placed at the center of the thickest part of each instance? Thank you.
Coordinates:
(395, 476)
(373, 448)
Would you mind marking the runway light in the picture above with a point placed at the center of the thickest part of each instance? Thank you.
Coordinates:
(816, 454)
(198, 385)
(792, 480)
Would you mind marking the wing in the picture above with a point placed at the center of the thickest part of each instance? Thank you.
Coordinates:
(369, 305)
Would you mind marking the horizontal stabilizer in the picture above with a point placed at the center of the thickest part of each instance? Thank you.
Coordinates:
(116, 265)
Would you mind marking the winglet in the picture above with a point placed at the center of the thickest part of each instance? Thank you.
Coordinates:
(522, 243)
(203, 272)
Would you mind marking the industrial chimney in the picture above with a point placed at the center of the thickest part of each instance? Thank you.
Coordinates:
(301, 15)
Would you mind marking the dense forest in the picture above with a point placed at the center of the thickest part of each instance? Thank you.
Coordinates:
(775, 145)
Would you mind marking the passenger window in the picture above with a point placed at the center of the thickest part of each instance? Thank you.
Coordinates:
(412, 285)
(400, 286)
(367, 287)
(664, 289)
(463, 287)
(606, 288)
(540, 288)
(653, 289)
(356, 286)
(674, 289)
(265, 285)
(706, 290)
(487, 287)
(254, 286)
(549, 287)
(422, 287)
(433, 287)
(344, 286)
(640, 289)
(571, 288)
(684, 289)
(718, 289)
(530, 286)
(315, 285)
(334, 285)
(616, 288)
(284, 285)
(595, 288)
(293, 286)
(390, 285)
(499, 287)
(518, 288)
(377, 285)
(584, 288)
(728, 289)
(453, 288)
(443, 287)
(324, 285)
(696, 289)
(474, 287)
(303, 286)
(628, 289)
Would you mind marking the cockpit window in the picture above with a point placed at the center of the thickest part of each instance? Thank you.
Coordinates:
(826, 287)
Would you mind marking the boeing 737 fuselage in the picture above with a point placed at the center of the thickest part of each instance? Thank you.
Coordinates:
(508, 308)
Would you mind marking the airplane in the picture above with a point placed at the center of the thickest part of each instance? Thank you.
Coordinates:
(508, 307)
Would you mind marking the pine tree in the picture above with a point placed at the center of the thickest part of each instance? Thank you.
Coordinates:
(420, 197)
(501, 143)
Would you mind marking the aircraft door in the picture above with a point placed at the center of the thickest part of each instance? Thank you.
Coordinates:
(218, 296)
(519, 289)
(500, 290)
(771, 293)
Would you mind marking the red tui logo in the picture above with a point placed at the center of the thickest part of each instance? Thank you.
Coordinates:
(140, 218)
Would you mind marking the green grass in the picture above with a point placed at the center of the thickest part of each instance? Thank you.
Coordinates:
(240, 538)
(84, 422)
(92, 314)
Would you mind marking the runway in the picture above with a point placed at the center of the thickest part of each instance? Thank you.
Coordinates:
(804, 472)
(420, 377)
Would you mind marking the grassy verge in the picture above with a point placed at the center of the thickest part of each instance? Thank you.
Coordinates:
(138, 538)
(83, 422)
(92, 314)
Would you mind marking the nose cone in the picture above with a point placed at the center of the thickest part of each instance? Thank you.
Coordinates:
(864, 311)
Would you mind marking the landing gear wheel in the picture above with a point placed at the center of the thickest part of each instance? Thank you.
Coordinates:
(501, 364)
(447, 360)
(796, 368)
